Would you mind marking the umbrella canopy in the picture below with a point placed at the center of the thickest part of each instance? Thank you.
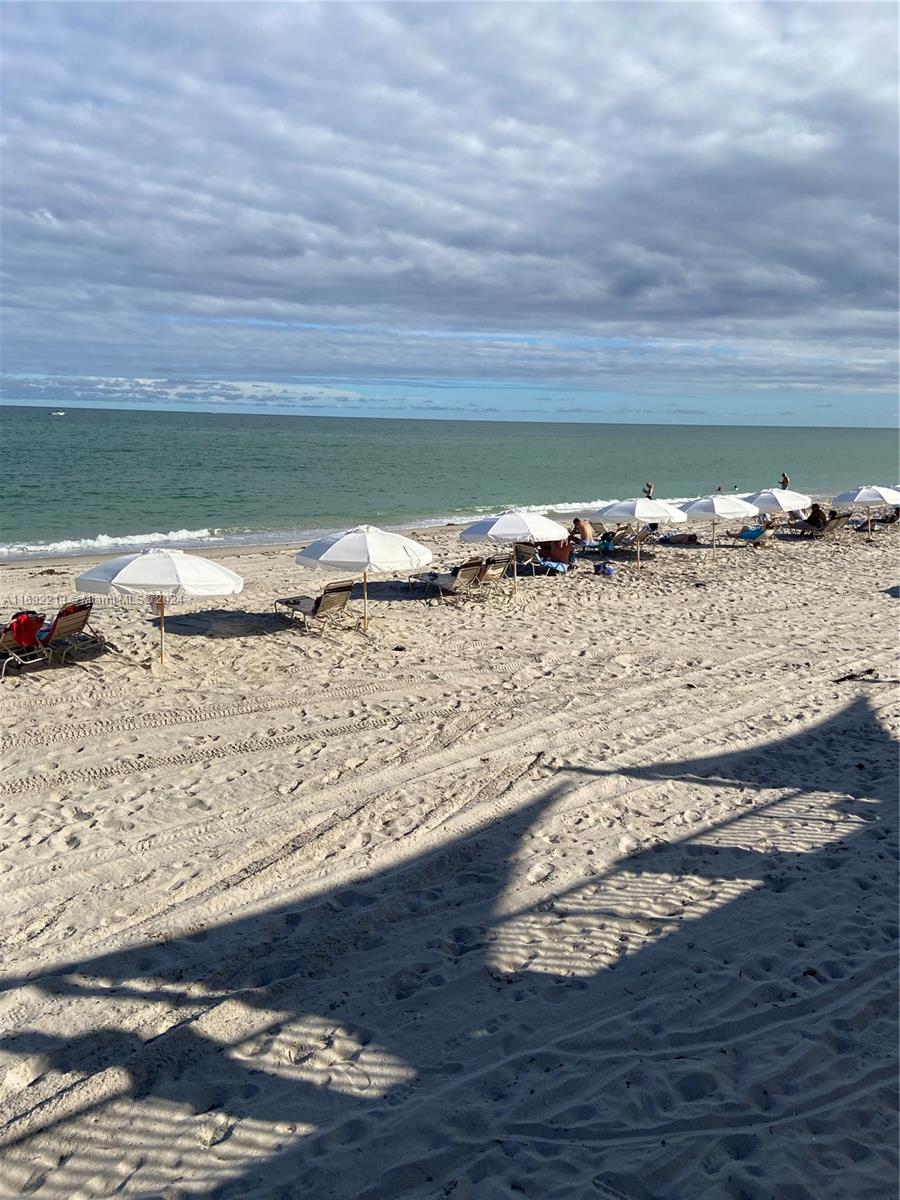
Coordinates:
(363, 551)
(162, 574)
(640, 509)
(677, 514)
(772, 500)
(868, 496)
(515, 526)
(718, 507)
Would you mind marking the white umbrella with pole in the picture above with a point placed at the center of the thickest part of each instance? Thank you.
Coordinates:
(718, 507)
(160, 575)
(866, 496)
(365, 550)
(514, 526)
(640, 509)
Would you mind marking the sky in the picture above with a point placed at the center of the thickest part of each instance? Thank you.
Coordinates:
(598, 211)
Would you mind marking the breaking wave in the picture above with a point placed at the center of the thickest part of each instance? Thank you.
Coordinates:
(106, 541)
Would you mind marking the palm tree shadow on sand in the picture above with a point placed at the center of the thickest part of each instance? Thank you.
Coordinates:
(710, 1017)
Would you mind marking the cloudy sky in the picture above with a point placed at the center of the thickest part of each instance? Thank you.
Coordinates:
(596, 211)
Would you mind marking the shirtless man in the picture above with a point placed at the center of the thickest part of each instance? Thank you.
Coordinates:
(582, 530)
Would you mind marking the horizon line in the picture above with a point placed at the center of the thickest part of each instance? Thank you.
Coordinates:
(494, 418)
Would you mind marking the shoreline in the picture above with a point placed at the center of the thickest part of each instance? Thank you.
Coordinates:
(226, 550)
(212, 549)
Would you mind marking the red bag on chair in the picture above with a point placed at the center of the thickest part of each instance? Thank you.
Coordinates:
(24, 627)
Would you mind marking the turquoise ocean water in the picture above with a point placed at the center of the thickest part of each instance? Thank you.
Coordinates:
(103, 479)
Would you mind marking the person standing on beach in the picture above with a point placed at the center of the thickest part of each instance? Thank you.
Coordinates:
(785, 481)
(648, 489)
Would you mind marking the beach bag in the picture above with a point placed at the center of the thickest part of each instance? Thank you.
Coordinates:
(605, 569)
(24, 627)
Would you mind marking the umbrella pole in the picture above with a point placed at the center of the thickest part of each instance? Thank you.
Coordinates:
(714, 539)
(869, 519)
(638, 544)
(365, 600)
(162, 628)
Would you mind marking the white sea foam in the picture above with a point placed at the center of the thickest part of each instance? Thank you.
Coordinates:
(106, 541)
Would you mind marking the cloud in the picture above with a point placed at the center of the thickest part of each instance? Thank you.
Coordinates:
(644, 197)
(94, 390)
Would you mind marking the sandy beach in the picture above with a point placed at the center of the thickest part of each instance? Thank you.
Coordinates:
(589, 894)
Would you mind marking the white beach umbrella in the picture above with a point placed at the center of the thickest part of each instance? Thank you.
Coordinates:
(718, 507)
(514, 526)
(365, 550)
(678, 514)
(772, 500)
(163, 575)
(640, 509)
(866, 496)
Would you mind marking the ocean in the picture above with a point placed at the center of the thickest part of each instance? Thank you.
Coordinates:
(106, 479)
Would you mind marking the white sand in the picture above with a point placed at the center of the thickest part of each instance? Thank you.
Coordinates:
(590, 896)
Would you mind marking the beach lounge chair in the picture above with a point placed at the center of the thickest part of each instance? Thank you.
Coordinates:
(610, 541)
(833, 527)
(329, 608)
(452, 585)
(14, 654)
(630, 541)
(490, 579)
(529, 560)
(70, 632)
(759, 535)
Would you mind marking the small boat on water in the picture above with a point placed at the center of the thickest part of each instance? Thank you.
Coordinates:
(57, 412)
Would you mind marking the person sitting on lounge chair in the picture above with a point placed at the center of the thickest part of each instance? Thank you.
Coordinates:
(562, 551)
(749, 533)
(811, 520)
(818, 517)
(891, 518)
(582, 532)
